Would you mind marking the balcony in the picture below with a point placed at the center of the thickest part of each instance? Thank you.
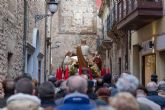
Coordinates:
(112, 30)
(111, 22)
(134, 14)
(111, 19)
(103, 44)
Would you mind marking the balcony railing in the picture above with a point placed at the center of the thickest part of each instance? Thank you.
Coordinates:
(138, 11)
(112, 18)
(112, 31)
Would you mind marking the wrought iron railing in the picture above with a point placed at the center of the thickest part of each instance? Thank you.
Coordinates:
(126, 7)
(112, 18)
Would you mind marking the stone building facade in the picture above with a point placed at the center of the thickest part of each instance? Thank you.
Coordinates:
(104, 40)
(147, 55)
(11, 34)
(34, 59)
(75, 20)
(114, 47)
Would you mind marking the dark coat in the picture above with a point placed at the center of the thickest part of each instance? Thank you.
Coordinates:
(2, 103)
(144, 106)
(157, 99)
(92, 96)
(47, 103)
(100, 102)
(76, 101)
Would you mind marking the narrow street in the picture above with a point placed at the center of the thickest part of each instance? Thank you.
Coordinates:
(107, 51)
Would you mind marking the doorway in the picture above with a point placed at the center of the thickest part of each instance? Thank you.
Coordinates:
(149, 67)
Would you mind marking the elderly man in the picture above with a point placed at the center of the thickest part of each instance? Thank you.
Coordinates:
(74, 84)
(161, 88)
(77, 84)
(46, 94)
(152, 88)
(24, 85)
(77, 98)
(129, 83)
(141, 94)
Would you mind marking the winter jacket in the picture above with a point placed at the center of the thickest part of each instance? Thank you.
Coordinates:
(76, 101)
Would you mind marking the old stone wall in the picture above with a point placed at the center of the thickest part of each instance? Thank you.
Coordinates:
(75, 20)
(11, 33)
(36, 7)
(119, 56)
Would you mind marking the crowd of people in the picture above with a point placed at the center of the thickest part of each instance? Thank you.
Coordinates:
(79, 93)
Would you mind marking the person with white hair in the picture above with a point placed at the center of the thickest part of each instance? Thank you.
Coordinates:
(124, 101)
(152, 88)
(77, 84)
(77, 98)
(161, 88)
(129, 83)
(141, 94)
(22, 101)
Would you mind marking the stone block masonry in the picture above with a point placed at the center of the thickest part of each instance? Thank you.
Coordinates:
(11, 21)
(11, 33)
(75, 20)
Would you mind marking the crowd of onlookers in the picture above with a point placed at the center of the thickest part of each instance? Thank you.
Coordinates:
(109, 92)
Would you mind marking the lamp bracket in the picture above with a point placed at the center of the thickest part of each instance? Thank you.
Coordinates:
(40, 17)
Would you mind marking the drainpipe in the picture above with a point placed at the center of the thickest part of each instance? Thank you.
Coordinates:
(45, 47)
(25, 34)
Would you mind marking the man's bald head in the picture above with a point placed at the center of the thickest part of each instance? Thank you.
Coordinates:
(77, 83)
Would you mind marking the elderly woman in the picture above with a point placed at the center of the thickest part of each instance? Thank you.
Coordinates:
(103, 95)
(124, 101)
(129, 83)
(23, 102)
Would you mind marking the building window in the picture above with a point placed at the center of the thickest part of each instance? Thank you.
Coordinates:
(9, 63)
(29, 63)
(39, 71)
(119, 65)
(103, 32)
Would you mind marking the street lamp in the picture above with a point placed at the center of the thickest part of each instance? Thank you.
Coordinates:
(52, 6)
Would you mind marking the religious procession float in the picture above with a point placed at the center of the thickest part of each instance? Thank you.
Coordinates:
(81, 62)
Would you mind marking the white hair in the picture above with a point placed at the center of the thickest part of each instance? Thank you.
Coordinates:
(127, 83)
(77, 83)
(23, 102)
(152, 86)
